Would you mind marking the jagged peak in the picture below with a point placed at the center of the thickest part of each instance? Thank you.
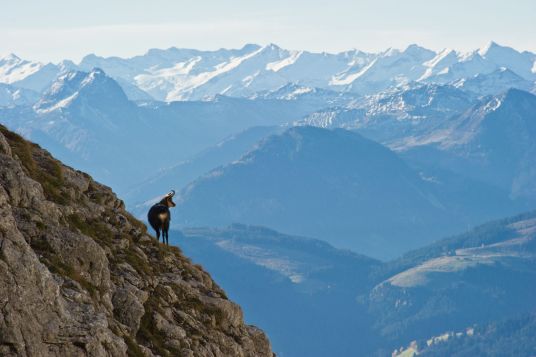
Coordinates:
(67, 65)
(90, 56)
(505, 71)
(250, 47)
(272, 46)
(492, 47)
(470, 56)
(71, 83)
(75, 75)
(510, 97)
(390, 52)
(414, 48)
(10, 57)
(96, 74)
(267, 49)
(446, 54)
(96, 71)
(499, 72)
(487, 47)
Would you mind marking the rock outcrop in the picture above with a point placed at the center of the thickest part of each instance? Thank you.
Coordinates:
(79, 276)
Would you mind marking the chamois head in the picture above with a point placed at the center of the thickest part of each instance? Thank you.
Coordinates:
(168, 199)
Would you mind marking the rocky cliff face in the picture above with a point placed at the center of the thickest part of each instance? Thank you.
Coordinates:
(79, 276)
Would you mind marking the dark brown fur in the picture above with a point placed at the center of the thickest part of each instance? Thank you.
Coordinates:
(159, 217)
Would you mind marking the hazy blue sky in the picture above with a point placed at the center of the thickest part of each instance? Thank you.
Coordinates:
(57, 29)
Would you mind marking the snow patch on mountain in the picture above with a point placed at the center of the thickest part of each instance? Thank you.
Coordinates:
(345, 78)
(12, 96)
(493, 83)
(189, 74)
(58, 105)
(189, 83)
(14, 69)
(278, 65)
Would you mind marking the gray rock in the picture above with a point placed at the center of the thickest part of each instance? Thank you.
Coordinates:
(80, 277)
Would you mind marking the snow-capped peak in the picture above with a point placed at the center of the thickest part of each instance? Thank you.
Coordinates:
(272, 47)
(14, 69)
(445, 55)
(489, 46)
(390, 52)
(10, 57)
(71, 84)
(95, 73)
(187, 74)
(417, 51)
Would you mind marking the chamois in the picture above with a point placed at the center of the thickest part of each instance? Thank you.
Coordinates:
(159, 216)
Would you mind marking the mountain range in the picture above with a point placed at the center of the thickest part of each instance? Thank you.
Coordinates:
(289, 283)
(179, 176)
(430, 186)
(435, 127)
(395, 113)
(11, 96)
(480, 276)
(189, 74)
(89, 122)
(494, 141)
(337, 185)
(379, 153)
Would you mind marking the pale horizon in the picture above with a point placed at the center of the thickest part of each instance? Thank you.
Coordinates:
(51, 32)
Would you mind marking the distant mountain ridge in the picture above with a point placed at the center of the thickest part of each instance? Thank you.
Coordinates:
(378, 153)
(493, 141)
(482, 275)
(488, 138)
(88, 121)
(11, 96)
(396, 113)
(454, 291)
(189, 74)
(288, 283)
(337, 185)
(180, 175)
(374, 152)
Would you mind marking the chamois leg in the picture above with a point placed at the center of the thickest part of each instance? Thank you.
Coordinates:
(158, 235)
(165, 232)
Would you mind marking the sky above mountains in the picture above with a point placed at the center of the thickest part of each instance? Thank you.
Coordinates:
(51, 31)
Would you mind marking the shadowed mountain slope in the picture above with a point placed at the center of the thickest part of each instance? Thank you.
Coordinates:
(337, 186)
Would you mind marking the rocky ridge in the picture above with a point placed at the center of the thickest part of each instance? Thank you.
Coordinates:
(79, 276)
